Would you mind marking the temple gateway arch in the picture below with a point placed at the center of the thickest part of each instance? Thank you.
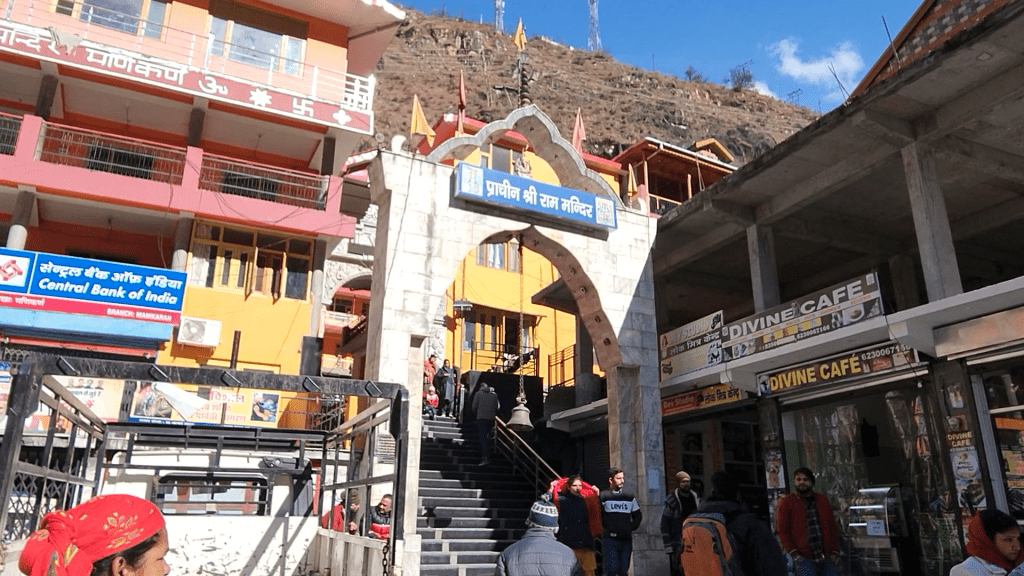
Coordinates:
(425, 230)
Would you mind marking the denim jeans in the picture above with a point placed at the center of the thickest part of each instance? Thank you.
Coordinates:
(616, 556)
(822, 567)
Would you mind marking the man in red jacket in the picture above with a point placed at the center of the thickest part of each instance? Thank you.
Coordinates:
(807, 528)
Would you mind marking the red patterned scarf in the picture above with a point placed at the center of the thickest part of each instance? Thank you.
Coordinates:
(68, 542)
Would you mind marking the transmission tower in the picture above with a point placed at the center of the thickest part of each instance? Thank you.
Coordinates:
(499, 14)
(594, 39)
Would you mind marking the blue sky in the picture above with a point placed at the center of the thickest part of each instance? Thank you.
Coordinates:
(790, 44)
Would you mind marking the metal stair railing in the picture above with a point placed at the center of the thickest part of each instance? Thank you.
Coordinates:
(525, 461)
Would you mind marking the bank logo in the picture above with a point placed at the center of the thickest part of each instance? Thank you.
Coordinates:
(14, 271)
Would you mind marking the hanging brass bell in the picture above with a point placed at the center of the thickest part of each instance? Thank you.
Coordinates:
(520, 420)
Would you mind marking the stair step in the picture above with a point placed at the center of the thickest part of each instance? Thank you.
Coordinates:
(520, 492)
(478, 512)
(460, 570)
(498, 502)
(466, 545)
(456, 483)
(478, 474)
(463, 522)
(479, 557)
(470, 533)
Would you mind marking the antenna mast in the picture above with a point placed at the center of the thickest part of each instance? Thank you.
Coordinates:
(594, 39)
(499, 15)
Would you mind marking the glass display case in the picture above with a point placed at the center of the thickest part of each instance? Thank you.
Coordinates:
(876, 518)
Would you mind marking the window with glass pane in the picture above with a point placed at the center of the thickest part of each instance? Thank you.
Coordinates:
(120, 15)
(496, 256)
(501, 159)
(254, 47)
(153, 28)
(513, 256)
(468, 332)
(219, 31)
(298, 277)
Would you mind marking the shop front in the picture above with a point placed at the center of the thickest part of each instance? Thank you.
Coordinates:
(869, 425)
(989, 354)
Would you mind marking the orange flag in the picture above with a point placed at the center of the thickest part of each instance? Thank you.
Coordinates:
(519, 39)
(419, 124)
(462, 101)
(579, 133)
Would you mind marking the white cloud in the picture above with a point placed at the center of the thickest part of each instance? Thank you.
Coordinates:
(844, 60)
(761, 88)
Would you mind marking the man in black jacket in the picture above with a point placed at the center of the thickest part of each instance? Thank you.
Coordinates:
(679, 504)
(620, 517)
(758, 551)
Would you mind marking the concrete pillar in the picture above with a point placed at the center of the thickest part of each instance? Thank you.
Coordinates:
(934, 239)
(904, 282)
(636, 446)
(327, 158)
(764, 276)
(47, 93)
(317, 287)
(196, 122)
(17, 236)
(182, 241)
(587, 385)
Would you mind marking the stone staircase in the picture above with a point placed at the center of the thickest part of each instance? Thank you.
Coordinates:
(468, 513)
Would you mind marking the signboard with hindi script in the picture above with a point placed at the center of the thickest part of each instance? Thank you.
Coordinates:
(54, 282)
(533, 198)
(691, 347)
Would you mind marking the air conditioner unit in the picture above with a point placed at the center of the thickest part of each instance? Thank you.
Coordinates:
(199, 332)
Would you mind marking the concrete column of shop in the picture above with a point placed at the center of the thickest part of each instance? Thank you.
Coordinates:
(934, 238)
(635, 445)
(24, 206)
(317, 286)
(764, 277)
(182, 241)
(586, 385)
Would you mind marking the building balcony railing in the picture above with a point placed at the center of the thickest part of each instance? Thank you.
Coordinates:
(10, 125)
(252, 180)
(661, 206)
(115, 154)
(70, 23)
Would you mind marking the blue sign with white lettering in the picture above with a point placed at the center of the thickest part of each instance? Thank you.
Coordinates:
(475, 183)
(100, 281)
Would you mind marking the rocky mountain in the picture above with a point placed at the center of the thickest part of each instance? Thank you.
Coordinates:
(620, 103)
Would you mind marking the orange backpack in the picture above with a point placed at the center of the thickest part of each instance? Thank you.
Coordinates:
(707, 547)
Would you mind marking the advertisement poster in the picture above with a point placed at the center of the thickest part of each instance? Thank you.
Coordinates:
(5, 392)
(819, 313)
(703, 398)
(691, 347)
(227, 406)
(874, 360)
(966, 470)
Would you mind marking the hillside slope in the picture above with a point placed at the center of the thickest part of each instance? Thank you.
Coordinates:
(620, 103)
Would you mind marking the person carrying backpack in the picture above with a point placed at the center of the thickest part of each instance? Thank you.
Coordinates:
(756, 552)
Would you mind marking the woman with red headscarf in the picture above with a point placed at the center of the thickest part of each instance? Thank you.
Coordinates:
(115, 535)
(993, 542)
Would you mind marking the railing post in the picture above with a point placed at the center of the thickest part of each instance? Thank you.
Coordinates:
(22, 401)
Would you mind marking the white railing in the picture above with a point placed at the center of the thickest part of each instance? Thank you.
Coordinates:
(199, 51)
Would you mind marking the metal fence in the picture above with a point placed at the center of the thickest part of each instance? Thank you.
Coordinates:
(10, 125)
(326, 455)
(114, 154)
(219, 174)
(40, 474)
